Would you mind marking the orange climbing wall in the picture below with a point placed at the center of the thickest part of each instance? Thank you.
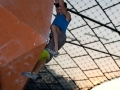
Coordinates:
(24, 28)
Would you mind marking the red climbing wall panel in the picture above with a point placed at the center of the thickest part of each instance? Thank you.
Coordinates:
(24, 28)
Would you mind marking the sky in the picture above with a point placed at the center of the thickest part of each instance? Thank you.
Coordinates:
(109, 85)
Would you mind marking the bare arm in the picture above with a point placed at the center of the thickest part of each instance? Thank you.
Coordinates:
(61, 3)
(64, 9)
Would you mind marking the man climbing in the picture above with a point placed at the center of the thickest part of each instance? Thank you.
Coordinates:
(59, 26)
(57, 38)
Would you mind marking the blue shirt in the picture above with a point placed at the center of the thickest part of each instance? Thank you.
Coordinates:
(61, 22)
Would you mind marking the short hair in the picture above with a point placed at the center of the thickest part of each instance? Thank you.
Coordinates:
(65, 4)
(57, 5)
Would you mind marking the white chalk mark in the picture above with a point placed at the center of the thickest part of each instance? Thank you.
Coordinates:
(27, 64)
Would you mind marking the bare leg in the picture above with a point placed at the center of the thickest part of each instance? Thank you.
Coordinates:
(38, 66)
(55, 32)
(34, 73)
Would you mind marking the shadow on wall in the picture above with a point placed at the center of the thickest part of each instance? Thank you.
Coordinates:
(50, 82)
(0, 81)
